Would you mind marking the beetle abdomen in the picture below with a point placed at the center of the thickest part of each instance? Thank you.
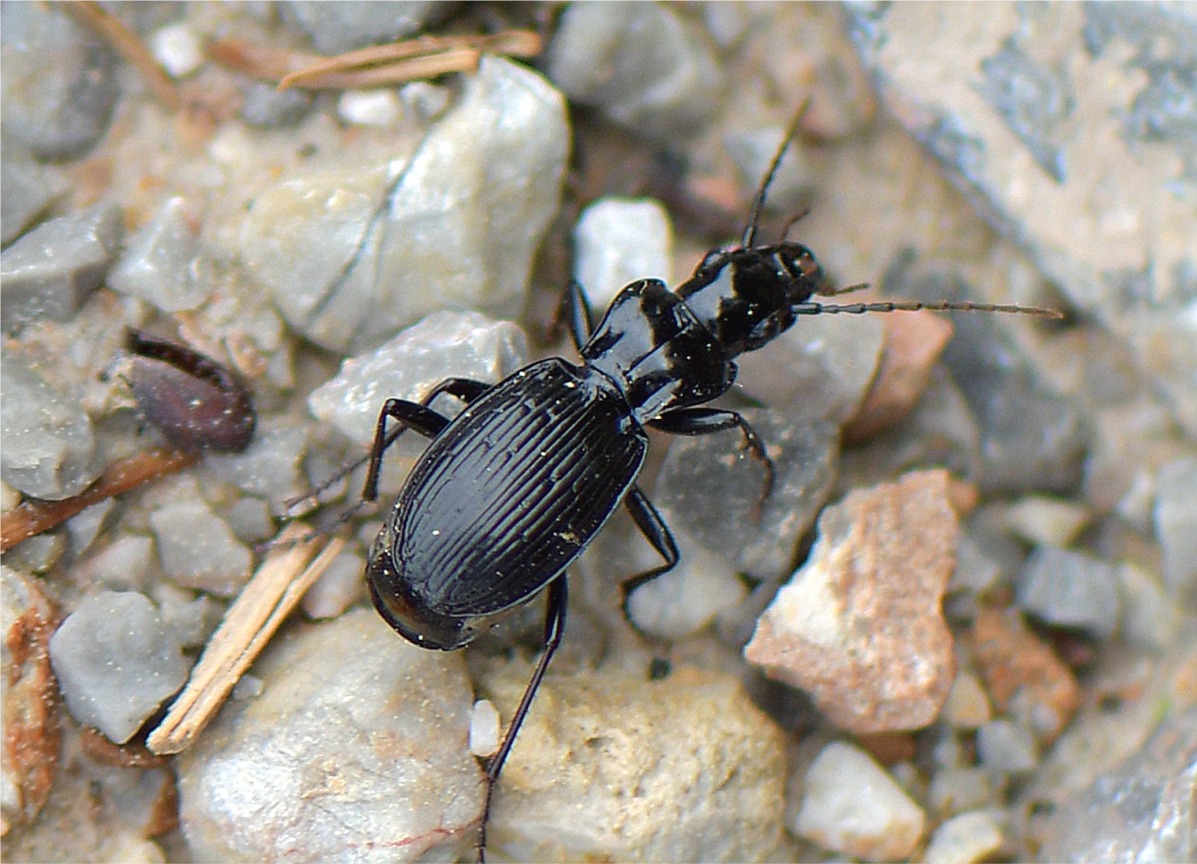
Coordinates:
(514, 489)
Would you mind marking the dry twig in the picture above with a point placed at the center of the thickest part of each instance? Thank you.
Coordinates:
(128, 45)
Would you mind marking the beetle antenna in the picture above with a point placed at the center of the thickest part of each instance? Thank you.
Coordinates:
(914, 306)
(758, 204)
(794, 220)
(828, 291)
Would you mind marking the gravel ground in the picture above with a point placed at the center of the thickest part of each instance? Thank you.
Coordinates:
(962, 626)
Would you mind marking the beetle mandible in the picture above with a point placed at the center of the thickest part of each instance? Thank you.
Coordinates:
(510, 492)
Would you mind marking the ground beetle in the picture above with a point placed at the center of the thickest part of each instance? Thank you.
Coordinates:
(512, 490)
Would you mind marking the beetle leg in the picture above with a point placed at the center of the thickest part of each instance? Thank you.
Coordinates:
(412, 415)
(574, 310)
(656, 532)
(554, 628)
(465, 389)
(701, 421)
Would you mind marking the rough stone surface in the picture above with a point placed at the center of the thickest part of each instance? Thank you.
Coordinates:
(1023, 675)
(640, 63)
(710, 487)
(355, 750)
(860, 625)
(162, 262)
(612, 767)
(1069, 589)
(49, 445)
(1072, 128)
(50, 271)
(31, 738)
(116, 662)
(852, 806)
(352, 257)
(59, 84)
(197, 548)
(443, 345)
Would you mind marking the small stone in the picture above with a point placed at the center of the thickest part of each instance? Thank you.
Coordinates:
(645, 67)
(125, 564)
(162, 262)
(272, 466)
(752, 151)
(338, 588)
(353, 255)
(828, 365)
(197, 548)
(710, 488)
(84, 527)
(355, 749)
(618, 241)
(50, 271)
(60, 82)
(1006, 747)
(177, 47)
(263, 105)
(964, 839)
(343, 27)
(192, 618)
(961, 788)
(29, 190)
(49, 446)
(1023, 675)
(967, 706)
(379, 108)
(31, 738)
(484, 729)
(912, 344)
(615, 767)
(853, 807)
(1047, 521)
(860, 625)
(1068, 589)
(443, 345)
(1176, 526)
(116, 662)
(1149, 618)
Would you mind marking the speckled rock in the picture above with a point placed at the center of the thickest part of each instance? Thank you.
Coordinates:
(49, 445)
(1072, 126)
(860, 625)
(609, 766)
(353, 256)
(29, 755)
(197, 548)
(355, 750)
(852, 806)
(116, 662)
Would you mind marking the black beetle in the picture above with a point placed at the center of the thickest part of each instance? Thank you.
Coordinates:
(512, 490)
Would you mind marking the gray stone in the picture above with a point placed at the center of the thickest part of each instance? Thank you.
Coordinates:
(59, 84)
(163, 263)
(640, 63)
(1069, 589)
(611, 766)
(753, 150)
(29, 190)
(1071, 127)
(353, 256)
(1141, 812)
(197, 548)
(49, 446)
(1176, 526)
(618, 241)
(443, 345)
(125, 564)
(272, 466)
(355, 750)
(264, 105)
(116, 662)
(339, 27)
(50, 271)
(1006, 747)
(710, 487)
(851, 805)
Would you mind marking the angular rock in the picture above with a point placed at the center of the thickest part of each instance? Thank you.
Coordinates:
(860, 626)
(356, 749)
(49, 446)
(1176, 526)
(116, 662)
(614, 767)
(29, 190)
(852, 806)
(353, 256)
(1068, 589)
(618, 241)
(964, 839)
(162, 262)
(198, 549)
(343, 27)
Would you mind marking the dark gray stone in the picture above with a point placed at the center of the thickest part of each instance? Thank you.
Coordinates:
(50, 271)
(265, 105)
(59, 84)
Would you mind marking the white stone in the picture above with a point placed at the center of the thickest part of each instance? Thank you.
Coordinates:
(618, 241)
(484, 728)
(852, 806)
(380, 108)
(178, 49)
(964, 839)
